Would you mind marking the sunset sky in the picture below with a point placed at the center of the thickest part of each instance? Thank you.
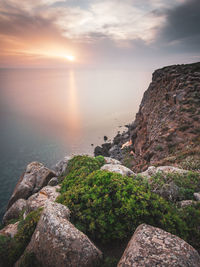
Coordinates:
(46, 33)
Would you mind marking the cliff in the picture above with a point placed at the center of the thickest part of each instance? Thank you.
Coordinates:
(166, 129)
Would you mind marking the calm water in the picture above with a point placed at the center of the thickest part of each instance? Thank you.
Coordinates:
(46, 114)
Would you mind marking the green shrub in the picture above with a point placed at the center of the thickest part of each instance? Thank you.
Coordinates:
(79, 167)
(191, 216)
(188, 183)
(12, 248)
(108, 206)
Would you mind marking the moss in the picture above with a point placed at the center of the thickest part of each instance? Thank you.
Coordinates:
(12, 248)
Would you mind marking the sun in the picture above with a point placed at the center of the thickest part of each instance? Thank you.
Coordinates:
(70, 57)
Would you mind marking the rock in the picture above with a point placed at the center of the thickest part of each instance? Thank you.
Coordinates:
(186, 203)
(14, 211)
(61, 166)
(9, 230)
(151, 246)
(169, 191)
(197, 196)
(53, 181)
(162, 169)
(47, 193)
(103, 150)
(111, 161)
(35, 177)
(56, 242)
(118, 169)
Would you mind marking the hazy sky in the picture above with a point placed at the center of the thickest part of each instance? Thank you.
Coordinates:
(139, 33)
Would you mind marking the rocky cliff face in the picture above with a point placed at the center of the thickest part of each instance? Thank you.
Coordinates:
(167, 125)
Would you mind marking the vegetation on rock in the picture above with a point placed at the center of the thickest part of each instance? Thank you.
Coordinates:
(187, 183)
(108, 206)
(12, 248)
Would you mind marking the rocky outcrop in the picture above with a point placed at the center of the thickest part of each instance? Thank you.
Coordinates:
(152, 246)
(38, 200)
(14, 211)
(167, 123)
(117, 168)
(35, 177)
(56, 242)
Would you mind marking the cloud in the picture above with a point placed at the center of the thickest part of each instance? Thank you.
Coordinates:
(182, 27)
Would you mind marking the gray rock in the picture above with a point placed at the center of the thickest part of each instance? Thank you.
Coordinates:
(56, 242)
(186, 203)
(53, 181)
(162, 169)
(169, 191)
(35, 177)
(38, 200)
(151, 246)
(9, 230)
(197, 196)
(118, 169)
(61, 166)
(14, 211)
(111, 161)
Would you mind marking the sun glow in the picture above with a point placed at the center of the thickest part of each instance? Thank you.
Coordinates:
(70, 57)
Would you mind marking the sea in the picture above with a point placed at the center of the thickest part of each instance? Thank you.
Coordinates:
(46, 114)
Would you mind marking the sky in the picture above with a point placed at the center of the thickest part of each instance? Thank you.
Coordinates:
(120, 33)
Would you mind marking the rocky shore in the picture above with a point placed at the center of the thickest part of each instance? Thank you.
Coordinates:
(137, 205)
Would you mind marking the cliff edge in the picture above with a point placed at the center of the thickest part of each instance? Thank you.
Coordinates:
(166, 129)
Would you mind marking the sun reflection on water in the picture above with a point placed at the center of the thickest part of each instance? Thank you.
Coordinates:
(73, 112)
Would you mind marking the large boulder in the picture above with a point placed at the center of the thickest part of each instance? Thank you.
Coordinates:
(56, 242)
(9, 230)
(118, 169)
(38, 200)
(161, 169)
(14, 211)
(151, 246)
(35, 177)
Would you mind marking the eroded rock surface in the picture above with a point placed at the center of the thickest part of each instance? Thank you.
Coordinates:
(14, 211)
(56, 242)
(47, 193)
(151, 246)
(118, 169)
(35, 177)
